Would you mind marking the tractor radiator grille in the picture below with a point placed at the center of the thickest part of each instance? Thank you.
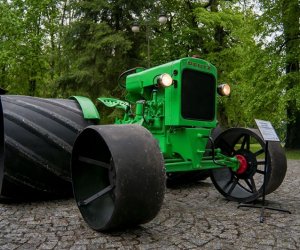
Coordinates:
(198, 92)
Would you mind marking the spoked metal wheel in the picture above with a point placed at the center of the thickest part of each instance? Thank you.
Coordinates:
(118, 176)
(246, 184)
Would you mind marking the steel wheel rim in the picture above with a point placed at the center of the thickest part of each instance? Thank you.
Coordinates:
(94, 198)
(245, 187)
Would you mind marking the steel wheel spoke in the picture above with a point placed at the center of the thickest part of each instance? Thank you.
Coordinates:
(226, 145)
(94, 162)
(227, 184)
(260, 171)
(261, 163)
(246, 142)
(95, 196)
(251, 184)
(234, 183)
(259, 152)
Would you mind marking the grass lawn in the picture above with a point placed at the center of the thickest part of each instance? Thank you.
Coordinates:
(293, 154)
(290, 154)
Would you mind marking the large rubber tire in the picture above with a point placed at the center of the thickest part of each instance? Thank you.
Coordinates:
(118, 176)
(248, 186)
(36, 140)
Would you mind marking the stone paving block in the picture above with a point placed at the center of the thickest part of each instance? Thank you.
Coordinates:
(193, 216)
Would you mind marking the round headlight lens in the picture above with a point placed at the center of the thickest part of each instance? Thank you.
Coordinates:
(224, 90)
(165, 80)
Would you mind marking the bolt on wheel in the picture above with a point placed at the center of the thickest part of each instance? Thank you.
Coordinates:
(246, 184)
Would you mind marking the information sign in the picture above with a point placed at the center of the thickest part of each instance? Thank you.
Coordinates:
(267, 131)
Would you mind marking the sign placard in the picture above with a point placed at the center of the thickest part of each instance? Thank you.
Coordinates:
(267, 131)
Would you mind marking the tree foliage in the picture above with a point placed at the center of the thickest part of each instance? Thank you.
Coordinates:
(25, 33)
(59, 48)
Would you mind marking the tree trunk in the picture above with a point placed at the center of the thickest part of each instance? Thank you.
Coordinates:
(293, 133)
(290, 20)
(32, 87)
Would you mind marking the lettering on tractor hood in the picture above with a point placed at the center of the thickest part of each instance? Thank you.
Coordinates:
(198, 65)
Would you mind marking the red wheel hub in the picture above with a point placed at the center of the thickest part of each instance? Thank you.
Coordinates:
(243, 164)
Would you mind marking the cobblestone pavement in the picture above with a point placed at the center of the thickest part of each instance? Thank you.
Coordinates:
(192, 217)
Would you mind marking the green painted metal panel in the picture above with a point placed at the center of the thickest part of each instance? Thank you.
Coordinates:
(88, 108)
(140, 86)
(114, 103)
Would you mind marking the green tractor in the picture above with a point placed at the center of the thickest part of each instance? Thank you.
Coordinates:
(168, 130)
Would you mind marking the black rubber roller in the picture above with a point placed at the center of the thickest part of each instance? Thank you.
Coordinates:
(118, 176)
(36, 140)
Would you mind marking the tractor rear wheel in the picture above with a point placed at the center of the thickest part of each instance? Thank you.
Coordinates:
(246, 184)
(118, 176)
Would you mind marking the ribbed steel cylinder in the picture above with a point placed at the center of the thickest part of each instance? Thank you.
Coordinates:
(37, 137)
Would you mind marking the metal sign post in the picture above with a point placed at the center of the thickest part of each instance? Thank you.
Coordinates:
(268, 133)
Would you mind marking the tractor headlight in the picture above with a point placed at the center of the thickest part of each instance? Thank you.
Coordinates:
(165, 80)
(224, 89)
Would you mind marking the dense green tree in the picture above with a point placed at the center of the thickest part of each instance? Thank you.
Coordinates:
(9, 34)
(99, 44)
(277, 79)
(221, 32)
(291, 33)
(59, 48)
(28, 39)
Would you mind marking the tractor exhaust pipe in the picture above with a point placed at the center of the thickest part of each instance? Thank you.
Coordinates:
(36, 140)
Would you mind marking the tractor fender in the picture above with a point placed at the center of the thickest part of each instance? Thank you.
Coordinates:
(88, 108)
